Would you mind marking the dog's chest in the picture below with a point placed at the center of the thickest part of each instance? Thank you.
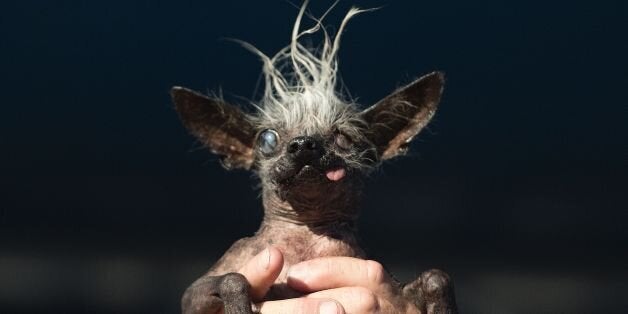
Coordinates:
(298, 246)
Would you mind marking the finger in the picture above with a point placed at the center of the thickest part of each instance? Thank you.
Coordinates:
(262, 270)
(335, 272)
(356, 300)
(302, 306)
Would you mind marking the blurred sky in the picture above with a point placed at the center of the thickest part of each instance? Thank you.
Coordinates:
(517, 189)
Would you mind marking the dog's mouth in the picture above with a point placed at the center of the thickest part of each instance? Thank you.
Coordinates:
(331, 171)
(336, 174)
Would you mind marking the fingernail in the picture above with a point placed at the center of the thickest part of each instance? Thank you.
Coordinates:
(264, 259)
(329, 307)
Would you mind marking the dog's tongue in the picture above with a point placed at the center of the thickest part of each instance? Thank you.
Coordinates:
(335, 174)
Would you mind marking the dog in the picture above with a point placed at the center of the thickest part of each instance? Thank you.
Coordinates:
(312, 149)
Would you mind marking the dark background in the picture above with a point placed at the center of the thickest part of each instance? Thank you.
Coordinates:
(518, 188)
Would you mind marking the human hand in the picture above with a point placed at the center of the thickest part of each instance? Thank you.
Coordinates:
(262, 271)
(332, 285)
(346, 284)
(363, 286)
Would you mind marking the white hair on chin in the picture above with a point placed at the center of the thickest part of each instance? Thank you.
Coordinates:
(300, 84)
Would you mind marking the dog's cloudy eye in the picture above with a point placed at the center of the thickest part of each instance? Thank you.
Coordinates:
(268, 141)
(343, 141)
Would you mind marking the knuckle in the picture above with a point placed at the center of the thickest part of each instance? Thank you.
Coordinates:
(367, 300)
(329, 265)
(375, 272)
(305, 306)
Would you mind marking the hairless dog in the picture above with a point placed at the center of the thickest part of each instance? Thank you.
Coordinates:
(312, 148)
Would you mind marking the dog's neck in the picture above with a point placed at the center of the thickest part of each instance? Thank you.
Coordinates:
(320, 212)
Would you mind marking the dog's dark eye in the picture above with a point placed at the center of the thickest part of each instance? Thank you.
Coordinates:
(268, 141)
(343, 141)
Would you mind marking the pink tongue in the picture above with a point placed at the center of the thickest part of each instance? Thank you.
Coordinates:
(335, 174)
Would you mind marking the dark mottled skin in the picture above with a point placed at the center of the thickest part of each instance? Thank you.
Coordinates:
(298, 243)
(307, 215)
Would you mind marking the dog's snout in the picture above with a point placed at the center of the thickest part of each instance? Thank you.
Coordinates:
(301, 143)
(305, 148)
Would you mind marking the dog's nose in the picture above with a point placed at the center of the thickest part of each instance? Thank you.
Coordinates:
(305, 148)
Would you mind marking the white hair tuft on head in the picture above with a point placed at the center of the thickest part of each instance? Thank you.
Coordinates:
(300, 84)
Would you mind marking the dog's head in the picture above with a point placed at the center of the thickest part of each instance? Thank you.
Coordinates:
(310, 147)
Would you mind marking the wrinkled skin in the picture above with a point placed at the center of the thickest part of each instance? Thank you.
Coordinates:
(311, 190)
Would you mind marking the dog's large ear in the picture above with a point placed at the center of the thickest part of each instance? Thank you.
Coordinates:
(396, 119)
(225, 129)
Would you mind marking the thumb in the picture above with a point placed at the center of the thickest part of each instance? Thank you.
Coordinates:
(262, 270)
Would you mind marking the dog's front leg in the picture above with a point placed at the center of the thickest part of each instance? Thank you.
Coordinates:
(432, 293)
(228, 293)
